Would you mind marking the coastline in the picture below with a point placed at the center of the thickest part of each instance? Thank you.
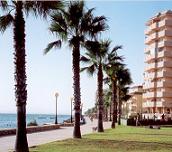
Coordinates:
(8, 120)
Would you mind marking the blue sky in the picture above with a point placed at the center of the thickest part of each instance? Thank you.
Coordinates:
(49, 73)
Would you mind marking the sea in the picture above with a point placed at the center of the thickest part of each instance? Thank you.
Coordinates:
(9, 120)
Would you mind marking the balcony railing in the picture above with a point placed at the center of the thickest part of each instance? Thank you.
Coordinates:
(165, 43)
(148, 95)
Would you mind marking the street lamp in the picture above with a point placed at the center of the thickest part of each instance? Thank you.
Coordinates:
(56, 96)
(71, 99)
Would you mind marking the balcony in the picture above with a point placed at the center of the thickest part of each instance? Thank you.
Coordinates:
(162, 23)
(153, 104)
(149, 85)
(167, 64)
(150, 38)
(165, 22)
(148, 95)
(151, 75)
(164, 33)
(167, 73)
(168, 22)
(165, 43)
(164, 64)
(150, 28)
(161, 64)
(149, 57)
(160, 74)
(148, 104)
(168, 104)
(165, 53)
(159, 104)
(164, 84)
(150, 47)
(164, 94)
(150, 66)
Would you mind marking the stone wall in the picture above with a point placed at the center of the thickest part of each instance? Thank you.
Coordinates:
(6, 132)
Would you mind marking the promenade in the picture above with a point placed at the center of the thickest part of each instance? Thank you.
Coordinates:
(7, 143)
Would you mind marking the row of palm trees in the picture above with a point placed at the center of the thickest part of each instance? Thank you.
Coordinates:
(73, 24)
(107, 62)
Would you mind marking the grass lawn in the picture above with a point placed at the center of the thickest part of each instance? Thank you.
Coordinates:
(120, 139)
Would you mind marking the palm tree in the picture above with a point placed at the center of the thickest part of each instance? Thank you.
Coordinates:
(111, 67)
(123, 78)
(123, 97)
(73, 26)
(14, 16)
(107, 102)
(95, 59)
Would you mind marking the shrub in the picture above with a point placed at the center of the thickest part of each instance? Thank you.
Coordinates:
(147, 122)
(32, 123)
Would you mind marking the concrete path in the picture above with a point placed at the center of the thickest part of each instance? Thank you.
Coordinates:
(7, 143)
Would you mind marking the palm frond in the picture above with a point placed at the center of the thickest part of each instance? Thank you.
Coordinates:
(3, 5)
(5, 22)
(55, 44)
(106, 80)
(116, 48)
(58, 18)
(76, 11)
(89, 69)
(83, 69)
(86, 20)
(58, 30)
(93, 47)
(99, 19)
(97, 26)
(43, 8)
(84, 59)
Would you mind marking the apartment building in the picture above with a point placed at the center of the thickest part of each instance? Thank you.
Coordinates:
(134, 104)
(158, 65)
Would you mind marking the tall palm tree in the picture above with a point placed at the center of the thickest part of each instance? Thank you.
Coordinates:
(73, 26)
(14, 16)
(124, 79)
(95, 56)
(123, 97)
(107, 102)
(111, 67)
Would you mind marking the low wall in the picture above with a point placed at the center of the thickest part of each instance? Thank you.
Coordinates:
(6, 132)
(67, 124)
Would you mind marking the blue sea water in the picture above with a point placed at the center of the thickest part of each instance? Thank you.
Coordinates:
(9, 120)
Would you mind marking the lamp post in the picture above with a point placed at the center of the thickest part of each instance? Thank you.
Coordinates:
(56, 96)
(71, 99)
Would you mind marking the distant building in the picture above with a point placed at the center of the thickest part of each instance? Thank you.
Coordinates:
(158, 65)
(134, 104)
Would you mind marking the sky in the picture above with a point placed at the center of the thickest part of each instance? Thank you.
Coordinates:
(51, 73)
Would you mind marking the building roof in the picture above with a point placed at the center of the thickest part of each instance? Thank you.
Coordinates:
(158, 16)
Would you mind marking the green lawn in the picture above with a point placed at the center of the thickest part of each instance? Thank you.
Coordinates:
(120, 139)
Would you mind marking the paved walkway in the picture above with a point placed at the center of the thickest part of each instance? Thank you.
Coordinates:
(7, 143)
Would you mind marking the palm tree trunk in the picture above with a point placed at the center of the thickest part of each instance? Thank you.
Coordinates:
(76, 86)
(106, 113)
(20, 79)
(100, 99)
(110, 108)
(114, 104)
(119, 107)
(119, 116)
